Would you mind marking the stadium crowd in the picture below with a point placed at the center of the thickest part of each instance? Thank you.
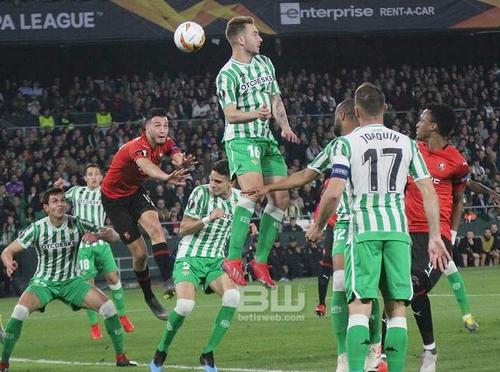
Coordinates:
(33, 158)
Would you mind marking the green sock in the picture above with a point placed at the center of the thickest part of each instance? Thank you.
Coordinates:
(357, 341)
(239, 227)
(268, 231)
(396, 344)
(12, 333)
(457, 285)
(92, 315)
(221, 325)
(339, 318)
(117, 295)
(174, 322)
(115, 331)
(375, 323)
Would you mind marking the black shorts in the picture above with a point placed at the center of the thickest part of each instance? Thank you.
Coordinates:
(125, 212)
(424, 276)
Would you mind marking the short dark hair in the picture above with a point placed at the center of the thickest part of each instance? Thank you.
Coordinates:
(236, 25)
(370, 99)
(347, 107)
(49, 192)
(92, 165)
(221, 167)
(155, 111)
(444, 116)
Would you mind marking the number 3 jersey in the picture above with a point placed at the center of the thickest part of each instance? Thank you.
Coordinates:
(376, 161)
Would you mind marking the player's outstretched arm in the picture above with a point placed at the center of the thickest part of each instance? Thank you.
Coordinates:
(297, 179)
(279, 114)
(327, 207)
(190, 225)
(438, 255)
(152, 170)
(8, 257)
(235, 116)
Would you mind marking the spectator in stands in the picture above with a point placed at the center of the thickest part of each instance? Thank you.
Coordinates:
(296, 205)
(294, 259)
(313, 149)
(277, 262)
(489, 252)
(292, 226)
(46, 120)
(470, 249)
(103, 117)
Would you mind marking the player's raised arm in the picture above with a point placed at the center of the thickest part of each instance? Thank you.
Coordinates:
(152, 170)
(8, 257)
(297, 179)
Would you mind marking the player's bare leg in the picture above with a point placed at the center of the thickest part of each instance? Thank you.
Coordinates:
(95, 329)
(98, 301)
(139, 261)
(163, 256)
(116, 288)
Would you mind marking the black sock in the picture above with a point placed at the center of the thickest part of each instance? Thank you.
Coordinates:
(421, 307)
(163, 258)
(384, 329)
(323, 280)
(145, 282)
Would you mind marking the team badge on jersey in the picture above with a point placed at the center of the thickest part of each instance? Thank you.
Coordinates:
(185, 269)
(441, 166)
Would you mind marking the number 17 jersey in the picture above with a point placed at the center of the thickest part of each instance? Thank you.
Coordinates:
(376, 161)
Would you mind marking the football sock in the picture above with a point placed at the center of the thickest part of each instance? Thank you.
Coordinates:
(268, 231)
(458, 286)
(115, 331)
(339, 318)
(117, 296)
(92, 316)
(421, 307)
(12, 333)
(145, 282)
(375, 323)
(174, 322)
(323, 280)
(239, 227)
(357, 341)
(162, 256)
(221, 325)
(396, 343)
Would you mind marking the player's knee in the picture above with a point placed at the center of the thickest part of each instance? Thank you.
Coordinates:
(451, 269)
(338, 281)
(140, 258)
(231, 298)
(275, 212)
(420, 282)
(20, 312)
(107, 309)
(184, 307)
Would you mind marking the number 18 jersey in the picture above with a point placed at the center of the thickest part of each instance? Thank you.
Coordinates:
(376, 160)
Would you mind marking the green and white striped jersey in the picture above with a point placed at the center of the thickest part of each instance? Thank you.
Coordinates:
(56, 247)
(212, 239)
(320, 164)
(87, 204)
(248, 86)
(376, 161)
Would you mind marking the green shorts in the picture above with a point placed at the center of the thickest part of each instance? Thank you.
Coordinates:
(95, 259)
(378, 264)
(340, 234)
(255, 155)
(198, 270)
(71, 291)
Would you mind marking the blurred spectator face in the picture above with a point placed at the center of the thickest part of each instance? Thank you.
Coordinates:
(276, 244)
(93, 177)
(157, 130)
(10, 220)
(494, 228)
(160, 204)
(293, 221)
(219, 184)
(470, 235)
(487, 234)
(159, 190)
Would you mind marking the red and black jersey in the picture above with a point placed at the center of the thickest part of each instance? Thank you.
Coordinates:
(124, 176)
(450, 172)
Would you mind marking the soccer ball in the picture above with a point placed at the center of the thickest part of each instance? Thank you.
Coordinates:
(189, 37)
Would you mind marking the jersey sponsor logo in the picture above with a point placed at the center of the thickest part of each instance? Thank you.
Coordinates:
(142, 152)
(185, 269)
(58, 245)
(89, 202)
(255, 82)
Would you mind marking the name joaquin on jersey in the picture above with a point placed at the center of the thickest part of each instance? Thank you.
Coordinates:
(258, 81)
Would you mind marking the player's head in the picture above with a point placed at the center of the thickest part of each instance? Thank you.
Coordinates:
(369, 104)
(93, 175)
(157, 125)
(220, 181)
(242, 33)
(437, 118)
(345, 118)
(54, 202)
